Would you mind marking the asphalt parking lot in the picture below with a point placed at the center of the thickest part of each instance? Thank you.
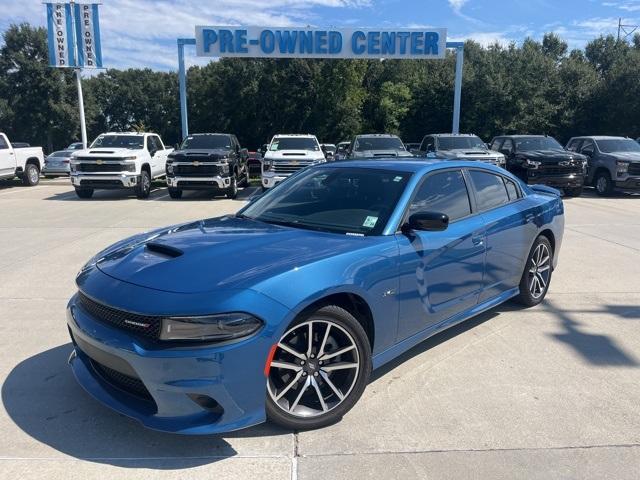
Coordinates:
(550, 392)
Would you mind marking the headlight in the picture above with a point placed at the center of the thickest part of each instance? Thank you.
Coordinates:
(73, 167)
(130, 167)
(132, 157)
(226, 326)
(170, 168)
(623, 167)
(531, 163)
(266, 164)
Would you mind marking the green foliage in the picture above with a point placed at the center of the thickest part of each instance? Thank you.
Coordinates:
(533, 87)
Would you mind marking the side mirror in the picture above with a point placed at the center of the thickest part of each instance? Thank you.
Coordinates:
(426, 221)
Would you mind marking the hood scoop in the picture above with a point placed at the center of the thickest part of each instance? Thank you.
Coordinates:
(164, 250)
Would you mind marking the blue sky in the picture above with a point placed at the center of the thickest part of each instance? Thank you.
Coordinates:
(142, 33)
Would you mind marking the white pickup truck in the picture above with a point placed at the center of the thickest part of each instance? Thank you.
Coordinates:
(23, 162)
(119, 160)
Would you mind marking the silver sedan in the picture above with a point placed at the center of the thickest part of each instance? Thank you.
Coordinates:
(57, 164)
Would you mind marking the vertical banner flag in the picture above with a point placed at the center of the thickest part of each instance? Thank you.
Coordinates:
(88, 35)
(60, 30)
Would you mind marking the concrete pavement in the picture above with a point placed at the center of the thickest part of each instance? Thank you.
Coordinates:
(549, 392)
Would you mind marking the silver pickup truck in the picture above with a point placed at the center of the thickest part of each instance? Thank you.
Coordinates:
(23, 162)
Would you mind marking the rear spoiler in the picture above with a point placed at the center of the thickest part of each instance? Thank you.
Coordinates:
(545, 190)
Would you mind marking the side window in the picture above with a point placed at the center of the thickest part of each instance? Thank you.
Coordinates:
(588, 147)
(490, 190)
(512, 190)
(496, 144)
(507, 146)
(574, 145)
(427, 144)
(3, 144)
(444, 192)
(150, 144)
(158, 143)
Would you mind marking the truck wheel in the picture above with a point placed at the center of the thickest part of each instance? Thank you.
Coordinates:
(31, 175)
(245, 179)
(232, 191)
(603, 183)
(143, 189)
(175, 193)
(84, 192)
(573, 192)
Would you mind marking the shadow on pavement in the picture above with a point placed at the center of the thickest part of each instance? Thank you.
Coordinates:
(42, 397)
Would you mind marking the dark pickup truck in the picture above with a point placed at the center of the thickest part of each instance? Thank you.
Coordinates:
(539, 159)
(208, 161)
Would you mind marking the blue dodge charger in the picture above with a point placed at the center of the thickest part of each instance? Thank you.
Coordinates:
(282, 311)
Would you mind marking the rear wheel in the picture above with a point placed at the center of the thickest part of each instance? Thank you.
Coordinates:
(31, 175)
(536, 277)
(603, 183)
(143, 189)
(319, 370)
(84, 192)
(175, 193)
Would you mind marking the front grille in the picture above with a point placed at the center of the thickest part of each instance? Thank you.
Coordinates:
(197, 183)
(286, 168)
(556, 170)
(144, 325)
(197, 170)
(634, 169)
(105, 167)
(130, 385)
(100, 183)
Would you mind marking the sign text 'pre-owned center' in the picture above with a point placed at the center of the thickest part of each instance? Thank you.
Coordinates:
(320, 43)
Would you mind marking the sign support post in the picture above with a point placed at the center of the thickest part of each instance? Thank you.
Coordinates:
(457, 86)
(83, 125)
(182, 77)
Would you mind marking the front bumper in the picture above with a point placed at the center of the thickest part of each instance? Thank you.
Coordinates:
(572, 180)
(271, 180)
(112, 181)
(199, 183)
(55, 170)
(629, 183)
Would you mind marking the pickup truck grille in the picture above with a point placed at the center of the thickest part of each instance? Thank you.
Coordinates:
(105, 167)
(634, 168)
(287, 168)
(560, 171)
(197, 170)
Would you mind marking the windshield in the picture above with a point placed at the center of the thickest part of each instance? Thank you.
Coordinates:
(209, 142)
(294, 143)
(132, 142)
(537, 143)
(341, 200)
(378, 143)
(460, 143)
(618, 145)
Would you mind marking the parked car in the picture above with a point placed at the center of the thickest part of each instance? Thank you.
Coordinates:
(341, 150)
(75, 146)
(329, 150)
(118, 160)
(613, 162)
(22, 162)
(540, 159)
(463, 146)
(208, 161)
(57, 164)
(282, 310)
(377, 145)
(288, 153)
(411, 146)
(254, 163)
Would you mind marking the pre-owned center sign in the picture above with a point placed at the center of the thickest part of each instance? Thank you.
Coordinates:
(278, 42)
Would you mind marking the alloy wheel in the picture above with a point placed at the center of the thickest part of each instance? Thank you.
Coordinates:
(33, 175)
(314, 368)
(601, 184)
(539, 271)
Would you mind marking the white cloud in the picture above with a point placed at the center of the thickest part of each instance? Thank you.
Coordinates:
(626, 5)
(456, 5)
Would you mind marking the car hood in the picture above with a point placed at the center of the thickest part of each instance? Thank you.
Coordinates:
(381, 153)
(295, 155)
(469, 152)
(551, 156)
(106, 152)
(200, 153)
(220, 253)
(628, 156)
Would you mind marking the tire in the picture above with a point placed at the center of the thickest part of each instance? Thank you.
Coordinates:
(294, 392)
(232, 191)
(536, 268)
(573, 192)
(31, 175)
(143, 189)
(603, 183)
(84, 192)
(245, 180)
(175, 193)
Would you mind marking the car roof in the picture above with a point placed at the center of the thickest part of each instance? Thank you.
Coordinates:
(306, 135)
(600, 137)
(205, 134)
(523, 136)
(388, 135)
(414, 166)
(451, 135)
(129, 133)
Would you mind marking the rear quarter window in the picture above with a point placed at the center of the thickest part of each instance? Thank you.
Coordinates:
(490, 190)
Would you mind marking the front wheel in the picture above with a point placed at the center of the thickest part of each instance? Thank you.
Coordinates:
(536, 277)
(603, 183)
(175, 193)
(232, 191)
(573, 192)
(318, 371)
(31, 175)
(84, 192)
(143, 189)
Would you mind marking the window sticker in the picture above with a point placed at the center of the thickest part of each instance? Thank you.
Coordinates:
(397, 179)
(370, 222)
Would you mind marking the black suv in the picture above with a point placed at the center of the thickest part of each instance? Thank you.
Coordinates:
(212, 161)
(539, 159)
